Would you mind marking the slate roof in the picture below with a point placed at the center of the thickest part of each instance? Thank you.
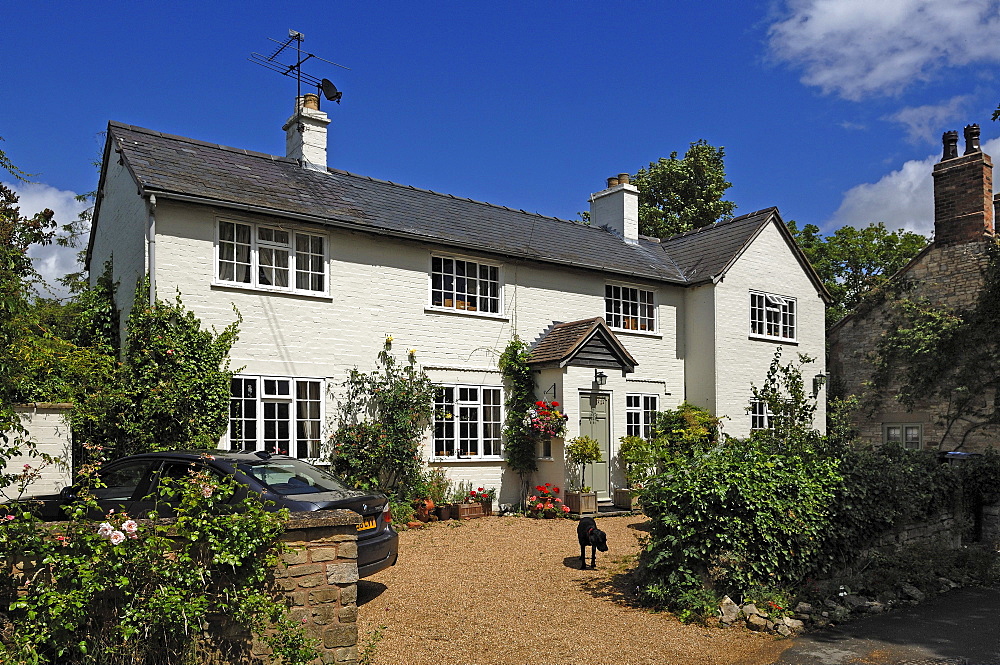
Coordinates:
(187, 169)
(564, 340)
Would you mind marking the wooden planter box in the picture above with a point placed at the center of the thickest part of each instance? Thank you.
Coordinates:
(487, 508)
(626, 500)
(582, 503)
(466, 511)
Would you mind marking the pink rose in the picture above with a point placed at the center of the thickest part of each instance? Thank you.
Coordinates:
(565, 509)
(117, 537)
(129, 526)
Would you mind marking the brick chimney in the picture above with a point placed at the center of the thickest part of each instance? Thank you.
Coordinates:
(305, 133)
(963, 191)
(617, 208)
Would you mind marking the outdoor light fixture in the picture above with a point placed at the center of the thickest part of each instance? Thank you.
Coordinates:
(818, 382)
(600, 378)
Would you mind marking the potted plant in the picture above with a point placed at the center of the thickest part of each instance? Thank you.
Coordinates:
(636, 457)
(546, 504)
(467, 504)
(484, 496)
(581, 451)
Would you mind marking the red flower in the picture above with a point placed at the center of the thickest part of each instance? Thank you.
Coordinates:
(539, 488)
(548, 484)
(542, 404)
(556, 490)
(554, 403)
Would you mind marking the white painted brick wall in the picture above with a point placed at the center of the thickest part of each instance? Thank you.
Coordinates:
(767, 265)
(47, 427)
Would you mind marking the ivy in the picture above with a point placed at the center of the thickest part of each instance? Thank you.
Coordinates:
(171, 388)
(520, 442)
(945, 356)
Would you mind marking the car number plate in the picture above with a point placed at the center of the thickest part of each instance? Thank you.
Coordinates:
(367, 524)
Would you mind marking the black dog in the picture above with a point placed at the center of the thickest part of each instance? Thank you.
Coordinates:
(588, 534)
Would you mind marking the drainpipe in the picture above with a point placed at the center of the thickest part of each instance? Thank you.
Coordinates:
(151, 249)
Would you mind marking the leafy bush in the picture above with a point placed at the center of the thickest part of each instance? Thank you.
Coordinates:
(381, 420)
(122, 592)
(171, 389)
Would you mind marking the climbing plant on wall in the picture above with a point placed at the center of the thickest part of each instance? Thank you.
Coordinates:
(946, 356)
(520, 442)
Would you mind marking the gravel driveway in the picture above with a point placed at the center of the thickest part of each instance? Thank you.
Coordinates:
(509, 590)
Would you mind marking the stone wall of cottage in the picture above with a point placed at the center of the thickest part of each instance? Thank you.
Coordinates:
(950, 276)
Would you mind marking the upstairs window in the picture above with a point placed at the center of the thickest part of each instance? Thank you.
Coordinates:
(772, 316)
(465, 285)
(629, 308)
(269, 257)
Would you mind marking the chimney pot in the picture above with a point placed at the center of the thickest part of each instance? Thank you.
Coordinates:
(972, 139)
(950, 141)
(612, 182)
(623, 178)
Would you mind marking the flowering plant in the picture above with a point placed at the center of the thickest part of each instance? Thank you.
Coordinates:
(480, 495)
(547, 502)
(546, 419)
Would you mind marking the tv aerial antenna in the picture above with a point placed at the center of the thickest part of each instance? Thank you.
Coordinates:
(294, 70)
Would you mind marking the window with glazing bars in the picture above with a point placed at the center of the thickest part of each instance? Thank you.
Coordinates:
(640, 411)
(266, 256)
(629, 308)
(772, 316)
(467, 422)
(465, 285)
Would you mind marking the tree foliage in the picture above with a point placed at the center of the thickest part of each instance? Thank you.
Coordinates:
(853, 262)
(678, 195)
(171, 388)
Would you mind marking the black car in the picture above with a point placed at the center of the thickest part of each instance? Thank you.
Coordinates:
(132, 485)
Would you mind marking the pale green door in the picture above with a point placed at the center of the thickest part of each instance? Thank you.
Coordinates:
(595, 422)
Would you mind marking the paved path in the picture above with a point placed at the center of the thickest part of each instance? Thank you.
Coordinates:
(961, 627)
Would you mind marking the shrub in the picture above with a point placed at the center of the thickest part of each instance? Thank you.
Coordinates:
(121, 592)
(382, 417)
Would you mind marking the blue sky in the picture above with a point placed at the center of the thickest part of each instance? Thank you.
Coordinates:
(831, 110)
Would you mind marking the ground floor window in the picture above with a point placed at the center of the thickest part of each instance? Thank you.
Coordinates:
(760, 415)
(640, 411)
(908, 435)
(467, 422)
(277, 414)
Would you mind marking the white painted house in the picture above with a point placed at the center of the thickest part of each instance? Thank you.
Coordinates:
(324, 264)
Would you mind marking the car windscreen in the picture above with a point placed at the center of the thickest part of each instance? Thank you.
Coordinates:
(292, 476)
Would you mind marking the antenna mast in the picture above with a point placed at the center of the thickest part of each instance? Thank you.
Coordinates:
(324, 86)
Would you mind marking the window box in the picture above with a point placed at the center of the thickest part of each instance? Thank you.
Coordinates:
(467, 511)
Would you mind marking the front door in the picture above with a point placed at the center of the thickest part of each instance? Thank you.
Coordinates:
(595, 422)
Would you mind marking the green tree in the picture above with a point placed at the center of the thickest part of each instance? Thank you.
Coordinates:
(678, 195)
(853, 262)
(171, 388)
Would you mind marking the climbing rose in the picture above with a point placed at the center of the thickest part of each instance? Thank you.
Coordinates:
(105, 530)
(117, 537)
(129, 526)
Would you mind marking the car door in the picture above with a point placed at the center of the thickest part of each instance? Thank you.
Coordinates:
(124, 482)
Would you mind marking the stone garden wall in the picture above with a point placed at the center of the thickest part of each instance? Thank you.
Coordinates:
(320, 579)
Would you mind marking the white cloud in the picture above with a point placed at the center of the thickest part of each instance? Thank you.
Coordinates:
(922, 122)
(52, 261)
(902, 199)
(857, 48)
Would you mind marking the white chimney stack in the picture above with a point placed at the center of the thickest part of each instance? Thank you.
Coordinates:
(305, 133)
(617, 208)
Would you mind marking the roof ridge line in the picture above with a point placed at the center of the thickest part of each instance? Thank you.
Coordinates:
(336, 171)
